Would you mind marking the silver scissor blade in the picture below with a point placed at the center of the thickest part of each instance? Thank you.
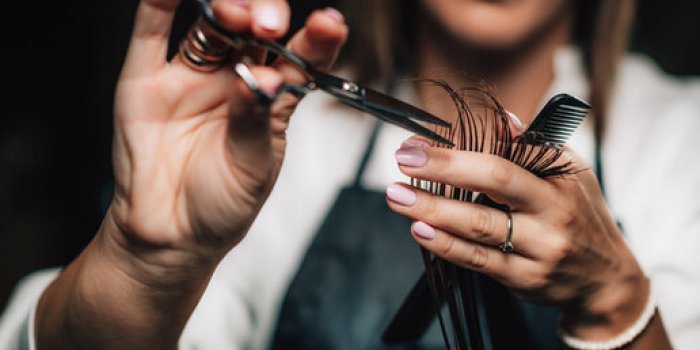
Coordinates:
(404, 123)
(414, 127)
(384, 102)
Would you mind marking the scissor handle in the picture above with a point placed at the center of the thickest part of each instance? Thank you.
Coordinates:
(387, 109)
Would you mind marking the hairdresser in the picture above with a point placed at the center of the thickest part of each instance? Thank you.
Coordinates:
(192, 252)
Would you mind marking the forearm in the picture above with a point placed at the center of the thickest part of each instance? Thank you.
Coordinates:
(108, 299)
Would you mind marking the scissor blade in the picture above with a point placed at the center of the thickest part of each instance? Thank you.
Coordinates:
(409, 125)
(399, 121)
(380, 105)
(378, 100)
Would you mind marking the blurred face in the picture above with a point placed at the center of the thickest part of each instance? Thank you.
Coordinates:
(496, 24)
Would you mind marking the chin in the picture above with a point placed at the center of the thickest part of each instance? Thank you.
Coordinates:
(494, 24)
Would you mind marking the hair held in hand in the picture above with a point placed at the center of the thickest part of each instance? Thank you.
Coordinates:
(481, 125)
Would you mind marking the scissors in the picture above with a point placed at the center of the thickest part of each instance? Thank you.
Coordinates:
(378, 104)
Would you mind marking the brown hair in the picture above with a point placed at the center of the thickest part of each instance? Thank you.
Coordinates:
(382, 38)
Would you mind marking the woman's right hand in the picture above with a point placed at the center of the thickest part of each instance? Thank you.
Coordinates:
(195, 157)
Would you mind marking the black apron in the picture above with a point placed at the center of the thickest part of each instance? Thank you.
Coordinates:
(356, 273)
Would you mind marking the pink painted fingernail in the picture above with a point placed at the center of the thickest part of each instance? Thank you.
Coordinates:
(272, 87)
(241, 3)
(412, 156)
(335, 14)
(401, 195)
(423, 230)
(516, 121)
(415, 143)
(269, 17)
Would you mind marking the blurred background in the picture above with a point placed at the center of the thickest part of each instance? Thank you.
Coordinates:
(60, 63)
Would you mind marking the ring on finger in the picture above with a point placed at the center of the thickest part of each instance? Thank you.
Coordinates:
(507, 245)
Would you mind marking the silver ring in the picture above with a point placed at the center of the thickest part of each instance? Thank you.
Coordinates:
(507, 245)
(203, 51)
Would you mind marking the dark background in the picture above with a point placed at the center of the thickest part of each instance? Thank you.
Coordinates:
(60, 62)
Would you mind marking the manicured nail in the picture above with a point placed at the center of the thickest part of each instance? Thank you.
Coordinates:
(241, 3)
(273, 87)
(412, 156)
(269, 17)
(515, 120)
(423, 230)
(415, 143)
(335, 14)
(401, 195)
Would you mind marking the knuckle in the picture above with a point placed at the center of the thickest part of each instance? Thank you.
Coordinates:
(479, 258)
(482, 224)
(448, 247)
(427, 208)
(501, 172)
(535, 282)
(567, 214)
(561, 248)
(560, 294)
(439, 161)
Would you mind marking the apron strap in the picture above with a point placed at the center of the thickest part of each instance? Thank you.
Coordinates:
(367, 154)
(599, 163)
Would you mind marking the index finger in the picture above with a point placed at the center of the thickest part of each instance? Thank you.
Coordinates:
(318, 43)
(149, 38)
(504, 181)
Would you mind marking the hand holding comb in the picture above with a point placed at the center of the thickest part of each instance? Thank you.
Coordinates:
(552, 127)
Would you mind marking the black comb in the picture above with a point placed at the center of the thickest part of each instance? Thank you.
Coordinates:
(558, 119)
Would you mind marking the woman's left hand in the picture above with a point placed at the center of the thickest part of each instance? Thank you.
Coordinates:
(568, 250)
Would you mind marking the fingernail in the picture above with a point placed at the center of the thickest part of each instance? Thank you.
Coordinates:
(273, 88)
(412, 156)
(423, 230)
(241, 3)
(269, 17)
(401, 195)
(335, 14)
(515, 120)
(415, 143)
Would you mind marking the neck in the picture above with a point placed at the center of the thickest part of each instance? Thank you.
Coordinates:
(520, 76)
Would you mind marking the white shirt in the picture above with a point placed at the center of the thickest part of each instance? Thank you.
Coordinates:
(652, 178)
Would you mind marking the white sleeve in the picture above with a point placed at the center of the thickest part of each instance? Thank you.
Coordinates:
(653, 169)
(17, 321)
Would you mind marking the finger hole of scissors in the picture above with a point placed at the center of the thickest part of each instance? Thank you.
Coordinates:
(262, 97)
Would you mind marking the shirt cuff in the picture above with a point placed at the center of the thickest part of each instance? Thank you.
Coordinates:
(29, 339)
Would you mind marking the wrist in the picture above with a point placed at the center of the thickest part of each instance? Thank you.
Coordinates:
(153, 266)
(609, 310)
(113, 297)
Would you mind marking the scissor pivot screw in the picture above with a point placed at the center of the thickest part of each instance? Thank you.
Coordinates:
(350, 87)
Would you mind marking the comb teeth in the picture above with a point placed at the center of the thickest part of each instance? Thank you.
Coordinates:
(559, 119)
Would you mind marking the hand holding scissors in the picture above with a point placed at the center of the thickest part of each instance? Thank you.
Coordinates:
(195, 156)
(380, 105)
